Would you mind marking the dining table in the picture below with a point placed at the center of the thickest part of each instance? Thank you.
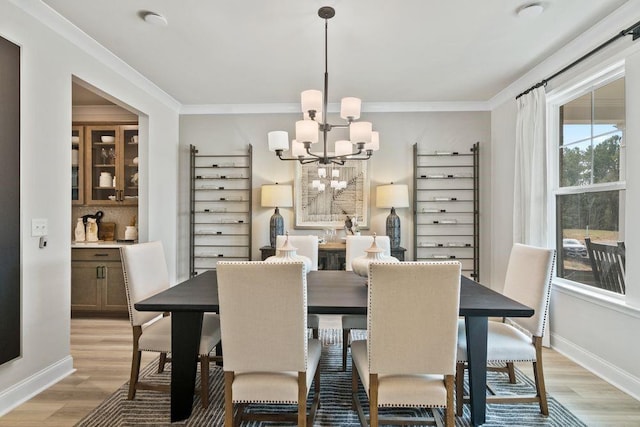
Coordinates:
(328, 292)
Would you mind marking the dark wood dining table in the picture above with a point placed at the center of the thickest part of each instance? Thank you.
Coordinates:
(328, 292)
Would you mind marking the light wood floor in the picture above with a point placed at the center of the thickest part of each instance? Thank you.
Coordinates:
(101, 349)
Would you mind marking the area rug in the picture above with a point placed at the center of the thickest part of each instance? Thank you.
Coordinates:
(152, 408)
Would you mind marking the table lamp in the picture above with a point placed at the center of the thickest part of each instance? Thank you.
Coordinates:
(276, 196)
(393, 196)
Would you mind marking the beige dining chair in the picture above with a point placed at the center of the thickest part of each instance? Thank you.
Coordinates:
(409, 358)
(268, 357)
(355, 247)
(307, 246)
(145, 274)
(516, 339)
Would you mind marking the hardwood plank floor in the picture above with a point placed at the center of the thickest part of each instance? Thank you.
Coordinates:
(101, 349)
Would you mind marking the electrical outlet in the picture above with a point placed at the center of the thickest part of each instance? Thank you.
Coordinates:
(39, 227)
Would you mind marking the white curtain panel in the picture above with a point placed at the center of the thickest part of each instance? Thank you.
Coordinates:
(530, 181)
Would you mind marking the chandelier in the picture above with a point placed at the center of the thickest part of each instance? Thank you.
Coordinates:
(363, 141)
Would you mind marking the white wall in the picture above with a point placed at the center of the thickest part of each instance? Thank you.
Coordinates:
(223, 134)
(48, 62)
(600, 335)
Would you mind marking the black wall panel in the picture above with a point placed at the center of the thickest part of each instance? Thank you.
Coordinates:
(9, 201)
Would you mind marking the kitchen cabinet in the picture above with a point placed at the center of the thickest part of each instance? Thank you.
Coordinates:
(97, 282)
(77, 163)
(447, 207)
(111, 156)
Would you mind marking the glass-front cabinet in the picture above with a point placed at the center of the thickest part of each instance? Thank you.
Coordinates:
(111, 157)
(77, 179)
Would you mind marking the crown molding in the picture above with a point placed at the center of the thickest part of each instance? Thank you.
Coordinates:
(623, 17)
(371, 107)
(84, 42)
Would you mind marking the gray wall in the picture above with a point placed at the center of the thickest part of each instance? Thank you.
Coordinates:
(223, 134)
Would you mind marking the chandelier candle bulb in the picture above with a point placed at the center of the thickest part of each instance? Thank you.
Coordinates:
(343, 148)
(307, 131)
(350, 108)
(278, 140)
(297, 149)
(311, 100)
(360, 132)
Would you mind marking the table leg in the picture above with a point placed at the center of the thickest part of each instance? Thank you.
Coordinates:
(186, 328)
(476, 328)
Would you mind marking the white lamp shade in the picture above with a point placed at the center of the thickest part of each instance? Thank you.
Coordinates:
(360, 132)
(307, 131)
(278, 140)
(350, 108)
(315, 183)
(311, 100)
(322, 172)
(392, 196)
(343, 148)
(277, 196)
(374, 145)
(335, 173)
(297, 149)
(334, 183)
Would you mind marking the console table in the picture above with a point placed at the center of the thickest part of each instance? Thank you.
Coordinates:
(331, 256)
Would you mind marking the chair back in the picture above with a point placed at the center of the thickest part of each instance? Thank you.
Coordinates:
(413, 317)
(356, 246)
(145, 274)
(608, 265)
(306, 245)
(263, 316)
(528, 281)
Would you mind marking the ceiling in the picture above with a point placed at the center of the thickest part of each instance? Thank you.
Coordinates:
(266, 52)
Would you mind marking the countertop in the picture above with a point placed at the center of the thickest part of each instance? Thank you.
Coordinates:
(99, 244)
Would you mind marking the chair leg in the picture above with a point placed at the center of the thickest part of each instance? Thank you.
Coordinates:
(512, 372)
(538, 374)
(346, 333)
(373, 400)
(315, 333)
(459, 388)
(204, 380)
(228, 399)
(449, 416)
(302, 399)
(354, 386)
(162, 362)
(135, 371)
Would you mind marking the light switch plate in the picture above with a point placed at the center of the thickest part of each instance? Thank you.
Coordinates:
(39, 227)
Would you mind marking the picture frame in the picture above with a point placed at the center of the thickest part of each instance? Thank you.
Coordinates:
(329, 208)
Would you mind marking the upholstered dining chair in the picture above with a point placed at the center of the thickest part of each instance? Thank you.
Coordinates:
(307, 246)
(355, 247)
(268, 357)
(145, 274)
(517, 339)
(409, 358)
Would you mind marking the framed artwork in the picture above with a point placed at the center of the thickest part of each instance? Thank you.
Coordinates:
(328, 207)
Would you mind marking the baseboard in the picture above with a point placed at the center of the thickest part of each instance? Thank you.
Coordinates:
(612, 374)
(31, 386)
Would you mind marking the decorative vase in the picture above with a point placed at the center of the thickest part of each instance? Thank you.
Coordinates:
(130, 233)
(287, 253)
(79, 231)
(360, 265)
(92, 230)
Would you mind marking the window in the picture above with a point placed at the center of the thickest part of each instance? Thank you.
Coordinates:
(590, 185)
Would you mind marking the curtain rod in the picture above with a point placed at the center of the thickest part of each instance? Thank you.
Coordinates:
(634, 30)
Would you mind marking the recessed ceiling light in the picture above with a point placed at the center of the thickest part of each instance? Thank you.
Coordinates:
(530, 10)
(155, 19)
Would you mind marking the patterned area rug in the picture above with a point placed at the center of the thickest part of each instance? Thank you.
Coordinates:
(152, 408)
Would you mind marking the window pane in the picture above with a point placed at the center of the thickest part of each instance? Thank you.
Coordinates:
(608, 107)
(575, 164)
(606, 158)
(593, 215)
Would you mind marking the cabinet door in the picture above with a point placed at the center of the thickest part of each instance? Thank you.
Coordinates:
(77, 161)
(127, 174)
(86, 284)
(111, 173)
(114, 297)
